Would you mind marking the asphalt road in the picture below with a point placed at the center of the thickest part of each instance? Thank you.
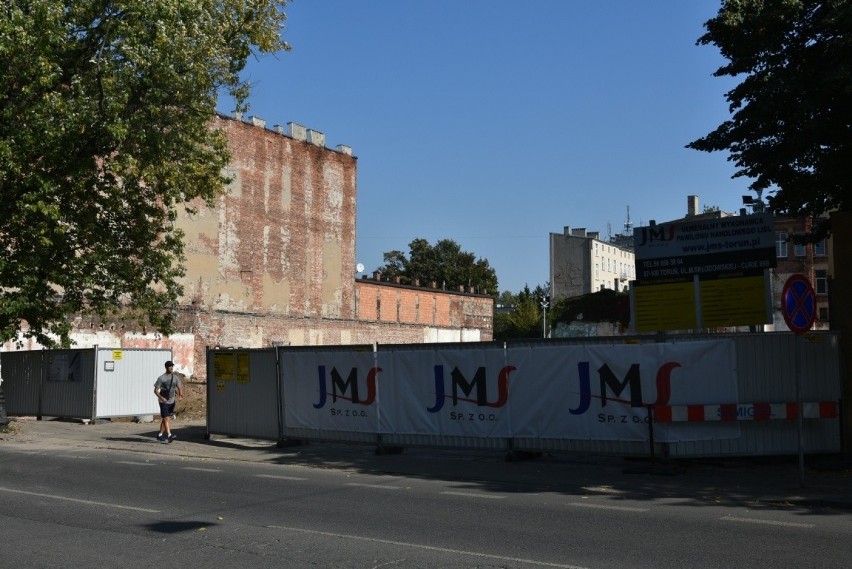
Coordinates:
(107, 508)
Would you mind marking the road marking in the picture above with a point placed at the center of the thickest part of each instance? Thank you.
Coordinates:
(430, 548)
(134, 463)
(201, 469)
(376, 486)
(606, 507)
(279, 477)
(767, 522)
(72, 456)
(90, 502)
(474, 495)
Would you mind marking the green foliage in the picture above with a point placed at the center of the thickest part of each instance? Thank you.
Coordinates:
(522, 314)
(791, 114)
(444, 263)
(104, 132)
(522, 322)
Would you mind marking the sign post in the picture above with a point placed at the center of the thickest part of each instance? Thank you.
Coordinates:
(798, 304)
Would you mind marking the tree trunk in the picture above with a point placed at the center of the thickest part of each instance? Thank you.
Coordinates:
(841, 314)
(4, 419)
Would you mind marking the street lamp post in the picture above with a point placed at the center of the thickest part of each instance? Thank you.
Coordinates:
(544, 305)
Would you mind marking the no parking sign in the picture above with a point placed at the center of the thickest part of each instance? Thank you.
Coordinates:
(798, 304)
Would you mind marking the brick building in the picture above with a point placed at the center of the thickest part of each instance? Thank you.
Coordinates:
(273, 263)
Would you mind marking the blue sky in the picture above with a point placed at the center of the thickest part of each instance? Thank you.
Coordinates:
(495, 123)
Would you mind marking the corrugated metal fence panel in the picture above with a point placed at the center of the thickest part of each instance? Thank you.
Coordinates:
(767, 367)
(22, 382)
(125, 381)
(69, 384)
(240, 402)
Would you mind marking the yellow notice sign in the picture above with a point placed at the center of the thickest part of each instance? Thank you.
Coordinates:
(224, 366)
(117, 355)
(669, 306)
(243, 367)
(739, 301)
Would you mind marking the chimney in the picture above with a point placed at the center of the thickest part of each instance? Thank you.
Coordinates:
(278, 128)
(579, 232)
(257, 121)
(316, 138)
(343, 149)
(691, 206)
(297, 131)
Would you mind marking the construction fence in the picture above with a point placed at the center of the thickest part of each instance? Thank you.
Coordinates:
(678, 396)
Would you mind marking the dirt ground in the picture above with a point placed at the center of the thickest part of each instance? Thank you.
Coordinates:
(193, 404)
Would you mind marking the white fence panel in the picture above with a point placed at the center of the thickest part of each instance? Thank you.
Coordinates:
(125, 381)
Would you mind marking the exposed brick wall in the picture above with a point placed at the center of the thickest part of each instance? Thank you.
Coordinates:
(438, 308)
(282, 239)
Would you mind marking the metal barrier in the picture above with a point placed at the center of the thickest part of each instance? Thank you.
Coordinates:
(87, 383)
(243, 397)
(251, 393)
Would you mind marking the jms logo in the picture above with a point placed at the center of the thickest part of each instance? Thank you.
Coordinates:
(341, 387)
(474, 390)
(646, 235)
(608, 382)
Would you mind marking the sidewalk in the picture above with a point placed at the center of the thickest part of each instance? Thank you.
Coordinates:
(753, 482)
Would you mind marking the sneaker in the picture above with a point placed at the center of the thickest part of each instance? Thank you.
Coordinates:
(172, 437)
(162, 438)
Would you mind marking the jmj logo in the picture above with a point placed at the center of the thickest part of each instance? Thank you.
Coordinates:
(340, 387)
(648, 235)
(632, 382)
(474, 391)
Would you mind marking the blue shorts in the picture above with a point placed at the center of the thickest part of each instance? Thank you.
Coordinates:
(166, 409)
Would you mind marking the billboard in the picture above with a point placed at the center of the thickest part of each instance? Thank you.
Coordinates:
(705, 246)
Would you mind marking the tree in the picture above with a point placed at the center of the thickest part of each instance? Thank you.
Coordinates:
(105, 112)
(791, 129)
(791, 125)
(525, 317)
(444, 264)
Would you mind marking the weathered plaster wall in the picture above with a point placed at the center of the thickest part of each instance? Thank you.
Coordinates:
(282, 239)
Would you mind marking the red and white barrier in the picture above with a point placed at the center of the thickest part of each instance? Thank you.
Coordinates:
(744, 412)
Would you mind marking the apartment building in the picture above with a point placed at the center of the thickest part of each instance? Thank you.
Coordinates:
(581, 263)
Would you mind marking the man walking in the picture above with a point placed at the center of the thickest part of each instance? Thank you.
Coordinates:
(168, 389)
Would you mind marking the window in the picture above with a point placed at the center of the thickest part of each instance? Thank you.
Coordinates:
(597, 271)
(781, 245)
(799, 250)
(823, 314)
(821, 282)
(819, 248)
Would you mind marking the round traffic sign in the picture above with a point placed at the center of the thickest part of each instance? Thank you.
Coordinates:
(798, 304)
